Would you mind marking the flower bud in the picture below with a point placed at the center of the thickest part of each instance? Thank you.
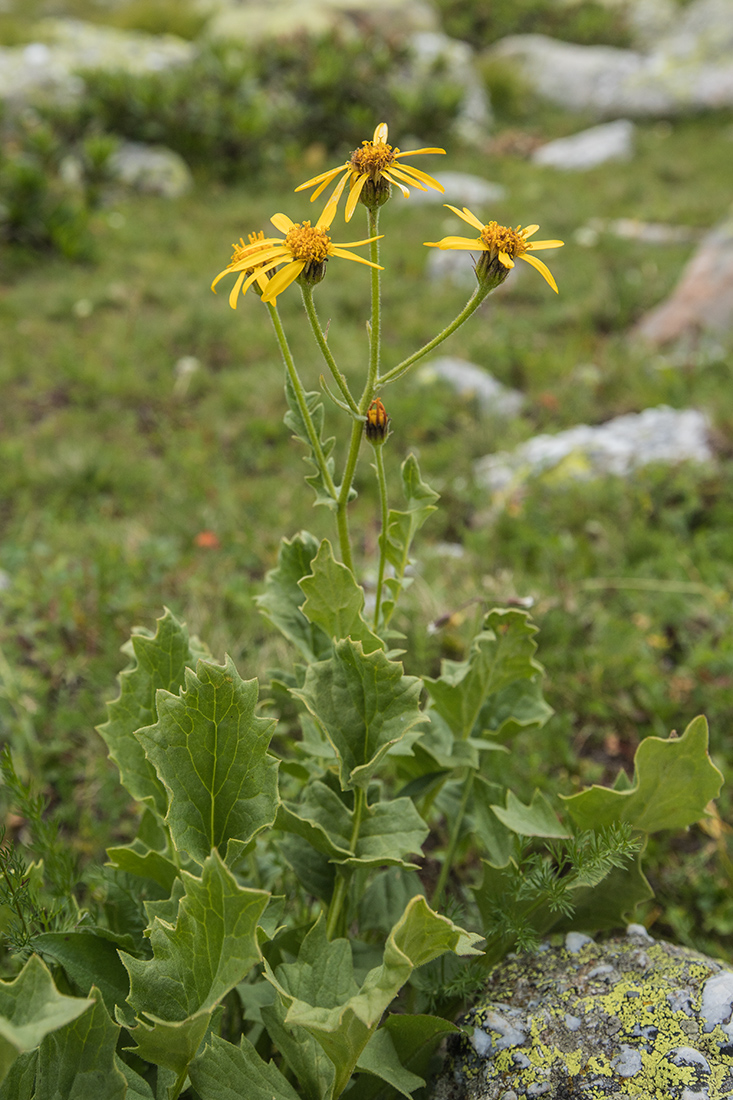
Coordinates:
(377, 422)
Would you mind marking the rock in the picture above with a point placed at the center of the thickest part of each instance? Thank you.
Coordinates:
(150, 168)
(628, 1017)
(702, 301)
(617, 447)
(469, 380)
(461, 189)
(49, 67)
(455, 60)
(257, 20)
(610, 141)
(688, 66)
(633, 229)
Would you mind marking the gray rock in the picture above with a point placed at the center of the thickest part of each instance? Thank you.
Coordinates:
(617, 447)
(633, 229)
(469, 380)
(626, 1017)
(150, 168)
(257, 20)
(688, 66)
(702, 301)
(48, 68)
(462, 189)
(457, 67)
(609, 141)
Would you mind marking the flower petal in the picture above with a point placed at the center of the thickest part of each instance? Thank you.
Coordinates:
(355, 244)
(324, 178)
(417, 152)
(458, 242)
(401, 174)
(534, 245)
(423, 176)
(345, 255)
(282, 222)
(258, 257)
(543, 270)
(467, 216)
(356, 189)
(234, 293)
(505, 260)
(282, 280)
(528, 231)
(380, 134)
(386, 173)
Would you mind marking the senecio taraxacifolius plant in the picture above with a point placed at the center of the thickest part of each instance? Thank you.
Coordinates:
(267, 934)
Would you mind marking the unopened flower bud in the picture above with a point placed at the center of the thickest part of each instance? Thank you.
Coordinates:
(377, 422)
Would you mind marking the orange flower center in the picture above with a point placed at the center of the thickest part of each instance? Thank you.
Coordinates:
(307, 242)
(499, 238)
(372, 158)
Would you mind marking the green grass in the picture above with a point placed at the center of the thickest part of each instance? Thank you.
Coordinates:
(109, 471)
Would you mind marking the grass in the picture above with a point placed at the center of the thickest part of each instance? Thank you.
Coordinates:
(115, 471)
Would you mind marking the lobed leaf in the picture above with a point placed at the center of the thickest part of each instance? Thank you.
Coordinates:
(501, 653)
(282, 599)
(379, 1058)
(294, 421)
(402, 528)
(89, 960)
(210, 750)
(673, 782)
(226, 1072)
(365, 704)
(77, 1061)
(334, 601)
(537, 819)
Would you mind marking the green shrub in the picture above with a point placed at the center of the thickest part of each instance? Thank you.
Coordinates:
(584, 21)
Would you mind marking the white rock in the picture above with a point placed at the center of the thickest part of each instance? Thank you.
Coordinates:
(468, 380)
(150, 168)
(609, 141)
(628, 1062)
(717, 1002)
(574, 941)
(617, 447)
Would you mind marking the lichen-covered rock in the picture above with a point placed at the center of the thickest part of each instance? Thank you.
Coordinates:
(629, 1017)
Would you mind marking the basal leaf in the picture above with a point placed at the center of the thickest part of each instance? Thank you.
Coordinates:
(210, 750)
(159, 661)
(501, 653)
(137, 1088)
(226, 1072)
(537, 819)
(334, 601)
(313, 869)
(282, 599)
(30, 1008)
(496, 842)
(321, 818)
(137, 859)
(389, 832)
(379, 1058)
(89, 960)
(415, 1040)
(611, 903)
(77, 1062)
(365, 703)
(385, 898)
(313, 1069)
(520, 706)
(171, 1044)
(673, 782)
(209, 950)
(19, 1082)
(294, 420)
(402, 528)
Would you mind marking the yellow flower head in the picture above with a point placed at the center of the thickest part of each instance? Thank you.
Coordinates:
(500, 246)
(304, 252)
(375, 166)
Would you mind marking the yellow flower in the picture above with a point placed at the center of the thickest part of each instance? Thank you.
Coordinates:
(305, 250)
(499, 243)
(374, 162)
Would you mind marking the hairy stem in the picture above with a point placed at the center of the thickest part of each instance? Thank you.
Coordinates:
(382, 482)
(339, 379)
(339, 893)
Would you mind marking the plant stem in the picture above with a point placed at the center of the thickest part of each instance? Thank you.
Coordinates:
(307, 292)
(453, 842)
(375, 337)
(382, 482)
(470, 307)
(300, 398)
(339, 893)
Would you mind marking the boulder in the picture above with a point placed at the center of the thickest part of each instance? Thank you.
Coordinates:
(471, 381)
(702, 301)
(456, 65)
(617, 447)
(49, 67)
(153, 169)
(589, 148)
(256, 20)
(628, 1017)
(686, 66)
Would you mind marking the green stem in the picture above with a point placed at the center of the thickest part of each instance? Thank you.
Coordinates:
(382, 482)
(375, 337)
(341, 382)
(453, 842)
(300, 398)
(470, 307)
(180, 1080)
(339, 893)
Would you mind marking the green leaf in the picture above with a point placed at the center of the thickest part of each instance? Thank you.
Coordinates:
(496, 841)
(19, 1082)
(312, 869)
(537, 819)
(89, 960)
(365, 703)
(501, 653)
(295, 422)
(379, 1058)
(225, 1072)
(209, 950)
(210, 750)
(335, 601)
(159, 661)
(137, 1088)
(612, 902)
(520, 706)
(77, 1062)
(673, 782)
(171, 1044)
(389, 831)
(30, 1008)
(282, 599)
(137, 859)
(313, 1069)
(385, 898)
(402, 528)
